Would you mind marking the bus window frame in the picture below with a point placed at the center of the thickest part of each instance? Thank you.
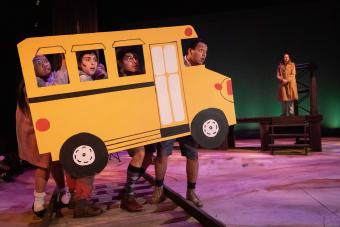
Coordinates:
(50, 50)
(139, 78)
(93, 46)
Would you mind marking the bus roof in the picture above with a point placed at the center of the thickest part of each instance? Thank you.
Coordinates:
(148, 35)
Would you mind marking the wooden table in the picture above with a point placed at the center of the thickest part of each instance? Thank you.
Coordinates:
(314, 130)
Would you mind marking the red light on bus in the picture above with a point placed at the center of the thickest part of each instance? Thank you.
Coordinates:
(42, 124)
(188, 32)
(229, 87)
(218, 86)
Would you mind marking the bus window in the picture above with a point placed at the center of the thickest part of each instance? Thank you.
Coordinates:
(130, 60)
(91, 65)
(50, 69)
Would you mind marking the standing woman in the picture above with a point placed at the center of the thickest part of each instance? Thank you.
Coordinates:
(287, 92)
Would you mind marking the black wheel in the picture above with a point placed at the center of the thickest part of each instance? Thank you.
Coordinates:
(83, 155)
(209, 128)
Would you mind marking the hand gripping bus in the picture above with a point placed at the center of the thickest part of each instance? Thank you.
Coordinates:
(79, 123)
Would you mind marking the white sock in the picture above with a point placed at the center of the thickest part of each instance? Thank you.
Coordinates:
(39, 201)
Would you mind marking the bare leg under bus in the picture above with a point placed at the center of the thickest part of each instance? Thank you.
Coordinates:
(41, 178)
(161, 166)
(188, 149)
(149, 157)
(192, 170)
(192, 173)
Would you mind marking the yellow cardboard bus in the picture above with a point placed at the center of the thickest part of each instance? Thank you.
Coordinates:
(79, 123)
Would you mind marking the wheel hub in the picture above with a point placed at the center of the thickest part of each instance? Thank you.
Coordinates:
(83, 155)
(210, 128)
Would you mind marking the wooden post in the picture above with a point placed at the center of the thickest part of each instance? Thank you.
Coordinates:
(315, 132)
(231, 137)
(313, 96)
(315, 121)
(265, 139)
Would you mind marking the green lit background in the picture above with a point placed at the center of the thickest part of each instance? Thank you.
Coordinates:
(247, 45)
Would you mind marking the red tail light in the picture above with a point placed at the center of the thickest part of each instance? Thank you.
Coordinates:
(42, 124)
(229, 88)
(188, 31)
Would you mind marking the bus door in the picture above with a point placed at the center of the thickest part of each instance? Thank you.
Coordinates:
(169, 89)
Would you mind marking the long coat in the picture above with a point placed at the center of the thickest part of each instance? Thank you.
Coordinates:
(288, 91)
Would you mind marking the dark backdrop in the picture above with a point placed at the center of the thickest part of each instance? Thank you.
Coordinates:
(246, 42)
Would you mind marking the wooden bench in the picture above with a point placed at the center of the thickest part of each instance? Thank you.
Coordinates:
(314, 130)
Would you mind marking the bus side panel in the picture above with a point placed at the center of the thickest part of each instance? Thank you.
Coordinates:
(108, 115)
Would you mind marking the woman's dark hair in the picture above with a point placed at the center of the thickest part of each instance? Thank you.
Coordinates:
(21, 97)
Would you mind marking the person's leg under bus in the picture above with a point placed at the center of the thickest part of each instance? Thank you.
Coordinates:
(41, 176)
(64, 196)
(82, 192)
(165, 149)
(187, 146)
(192, 172)
(149, 157)
(134, 171)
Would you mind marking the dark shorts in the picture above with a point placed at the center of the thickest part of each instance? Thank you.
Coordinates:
(187, 146)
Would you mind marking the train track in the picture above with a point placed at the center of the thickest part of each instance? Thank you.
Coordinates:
(203, 217)
(174, 211)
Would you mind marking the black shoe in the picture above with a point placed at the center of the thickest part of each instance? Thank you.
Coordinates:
(59, 204)
(7, 177)
(39, 213)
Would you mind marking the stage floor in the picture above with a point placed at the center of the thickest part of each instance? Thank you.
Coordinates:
(239, 187)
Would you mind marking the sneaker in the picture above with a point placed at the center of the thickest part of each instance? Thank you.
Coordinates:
(130, 203)
(157, 195)
(191, 196)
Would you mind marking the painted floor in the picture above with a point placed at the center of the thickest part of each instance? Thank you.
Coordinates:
(239, 187)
